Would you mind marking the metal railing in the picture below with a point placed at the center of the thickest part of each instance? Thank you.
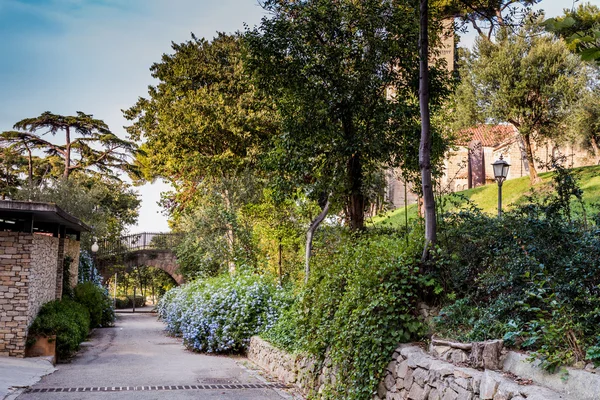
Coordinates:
(139, 241)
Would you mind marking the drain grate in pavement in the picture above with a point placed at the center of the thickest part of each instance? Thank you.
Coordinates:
(164, 387)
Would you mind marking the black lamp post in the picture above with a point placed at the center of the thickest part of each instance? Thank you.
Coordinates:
(501, 167)
(95, 249)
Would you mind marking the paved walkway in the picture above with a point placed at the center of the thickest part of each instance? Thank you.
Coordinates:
(18, 373)
(136, 360)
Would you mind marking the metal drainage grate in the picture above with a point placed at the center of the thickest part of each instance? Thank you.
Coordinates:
(165, 387)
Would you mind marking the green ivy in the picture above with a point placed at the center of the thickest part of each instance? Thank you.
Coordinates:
(359, 304)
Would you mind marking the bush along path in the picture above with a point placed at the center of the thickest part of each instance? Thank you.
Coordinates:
(137, 356)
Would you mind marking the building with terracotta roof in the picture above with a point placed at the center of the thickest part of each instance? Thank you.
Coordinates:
(469, 164)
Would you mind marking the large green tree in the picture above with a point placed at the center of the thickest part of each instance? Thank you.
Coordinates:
(203, 120)
(88, 143)
(527, 78)
(344, 77)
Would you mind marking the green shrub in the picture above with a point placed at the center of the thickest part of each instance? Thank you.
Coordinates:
(68, 320)
(98, 303)
(359, 304)
(531, 277)
(127, 302)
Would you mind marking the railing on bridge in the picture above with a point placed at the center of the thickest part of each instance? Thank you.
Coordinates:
(139, 241)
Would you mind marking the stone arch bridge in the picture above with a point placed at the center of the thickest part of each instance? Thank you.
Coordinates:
(148, 248)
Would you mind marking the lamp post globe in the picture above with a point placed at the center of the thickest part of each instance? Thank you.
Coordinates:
(501, 167)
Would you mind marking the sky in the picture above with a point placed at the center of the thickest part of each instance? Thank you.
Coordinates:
(94, 56)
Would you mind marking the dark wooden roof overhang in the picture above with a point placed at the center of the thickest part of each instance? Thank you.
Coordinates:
(35, 217)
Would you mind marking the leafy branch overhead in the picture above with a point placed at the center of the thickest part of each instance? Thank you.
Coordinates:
(580, 28)
(89, 143)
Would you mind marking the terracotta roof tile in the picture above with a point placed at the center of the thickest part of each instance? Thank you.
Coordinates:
(488, 135)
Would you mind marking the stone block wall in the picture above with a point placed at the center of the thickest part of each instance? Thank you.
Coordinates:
(42, 276)
(15, 262)
(414, 374)
(299, 370)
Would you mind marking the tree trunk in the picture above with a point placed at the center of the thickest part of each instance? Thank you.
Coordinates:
(280, 269)
(425, 144)
(29, 166)
(309, 237)
(533, 175)
(594, 144)
(356, 207)
(67, 153)
(230, 232)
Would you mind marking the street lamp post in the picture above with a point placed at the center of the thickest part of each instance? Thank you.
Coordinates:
(95, 249)
(501, 167)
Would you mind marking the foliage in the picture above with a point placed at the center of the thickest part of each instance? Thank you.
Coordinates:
(529, 79)
(580, 28)
(530, 276)
(278, 231)
(107, 205)
(127, 302)
(202, 121)
(360, 302)
(219, 315)
(87, 270)
(344, 78)
(487, 16)
(67, 319)
(83, 135)
(215, 239)
(584, 121)
(67, 290)
(96, 299)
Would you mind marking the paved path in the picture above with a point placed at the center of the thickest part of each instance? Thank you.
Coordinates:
(136, 360)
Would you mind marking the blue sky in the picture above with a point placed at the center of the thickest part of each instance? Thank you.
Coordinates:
(93, 56)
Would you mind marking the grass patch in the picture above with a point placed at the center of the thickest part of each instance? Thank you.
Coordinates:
(514, 192)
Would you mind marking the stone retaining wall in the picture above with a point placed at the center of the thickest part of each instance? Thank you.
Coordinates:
(412, 374)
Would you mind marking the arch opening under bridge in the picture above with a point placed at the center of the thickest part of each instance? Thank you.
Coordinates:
(153, 249)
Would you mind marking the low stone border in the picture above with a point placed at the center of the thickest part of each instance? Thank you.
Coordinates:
(414, 374)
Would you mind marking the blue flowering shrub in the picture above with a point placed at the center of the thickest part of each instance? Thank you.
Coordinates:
(219, 315)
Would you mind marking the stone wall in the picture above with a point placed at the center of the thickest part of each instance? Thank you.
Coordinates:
(72, 250)
(414, 374)
(417, 375)
(15, 262)
(299, 370)
(42, 276)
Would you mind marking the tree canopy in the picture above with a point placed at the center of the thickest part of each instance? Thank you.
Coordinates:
(344, 78)
(580, 28)
(529, 79)
(203, 119)
(83, 134)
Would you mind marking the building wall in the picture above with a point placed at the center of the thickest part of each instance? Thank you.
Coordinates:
(394, 194)
(456, 179)
(30, 276)
(15, 262)
(72, 250)
(42, 275)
